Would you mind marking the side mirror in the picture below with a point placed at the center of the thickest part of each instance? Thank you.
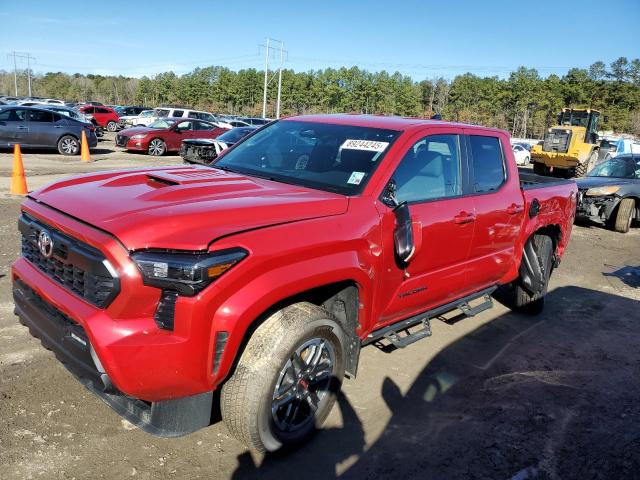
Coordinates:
(403, 238)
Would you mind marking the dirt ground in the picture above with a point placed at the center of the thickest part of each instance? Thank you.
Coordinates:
(497, 396)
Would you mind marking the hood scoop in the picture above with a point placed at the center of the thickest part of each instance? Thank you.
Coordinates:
(184, 176)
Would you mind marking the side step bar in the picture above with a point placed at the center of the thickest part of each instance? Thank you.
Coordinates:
(392, 333)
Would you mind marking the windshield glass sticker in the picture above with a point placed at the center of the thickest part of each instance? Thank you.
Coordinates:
(356, 178)
(367, 145)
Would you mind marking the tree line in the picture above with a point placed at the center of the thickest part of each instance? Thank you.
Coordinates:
(525, 103)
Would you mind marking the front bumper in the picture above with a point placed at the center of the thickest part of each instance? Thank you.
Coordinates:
(71, 345)
(597, 209)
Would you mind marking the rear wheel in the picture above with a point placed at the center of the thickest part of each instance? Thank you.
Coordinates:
(286, 380)
(624, 217)
(112, 126)
(527, 160)
(540, 168)
(584, 168)
(68, 145)
(157, 147)
(515, 296)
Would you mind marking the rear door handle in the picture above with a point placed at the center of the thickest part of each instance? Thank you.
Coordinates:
(514, 209)
(23, 128)
(464, 217)
(57, 126)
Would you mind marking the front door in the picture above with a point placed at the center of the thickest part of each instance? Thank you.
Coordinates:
(430, 177)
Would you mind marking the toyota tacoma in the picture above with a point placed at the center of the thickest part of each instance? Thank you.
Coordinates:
(261, 276)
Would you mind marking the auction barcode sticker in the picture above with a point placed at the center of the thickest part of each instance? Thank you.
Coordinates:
(368, 145)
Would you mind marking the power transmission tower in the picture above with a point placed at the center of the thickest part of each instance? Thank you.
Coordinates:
(268, 48)
(26, 56)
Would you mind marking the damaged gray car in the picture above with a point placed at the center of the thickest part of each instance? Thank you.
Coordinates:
(610, 193)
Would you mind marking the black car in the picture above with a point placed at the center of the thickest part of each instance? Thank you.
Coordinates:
(610, 193)
(41, 128)
(206, 150)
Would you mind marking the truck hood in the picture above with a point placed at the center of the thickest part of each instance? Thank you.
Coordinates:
(183, 207)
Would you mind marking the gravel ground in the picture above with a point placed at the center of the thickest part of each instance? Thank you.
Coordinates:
(500, 395)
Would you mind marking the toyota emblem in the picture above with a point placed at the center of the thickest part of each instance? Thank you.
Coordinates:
(45, 244)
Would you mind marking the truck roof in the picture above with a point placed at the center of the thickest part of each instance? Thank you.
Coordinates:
(384, 121)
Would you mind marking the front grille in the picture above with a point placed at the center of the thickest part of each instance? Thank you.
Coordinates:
(121, 140)
(557, 141)
(79, 267)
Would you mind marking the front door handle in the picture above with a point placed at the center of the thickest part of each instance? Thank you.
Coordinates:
(464, 217)
(23, 128)
(515, 209)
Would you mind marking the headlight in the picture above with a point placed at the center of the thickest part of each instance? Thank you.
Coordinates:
(138, 137)
(599, 191)
(186, 273)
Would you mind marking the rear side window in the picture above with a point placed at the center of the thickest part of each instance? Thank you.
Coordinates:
(488, 163)
(40, 116)
(178, 113)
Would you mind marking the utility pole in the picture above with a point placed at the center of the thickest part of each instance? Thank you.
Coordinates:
(266, 74)
(26, 56)
(280, 79)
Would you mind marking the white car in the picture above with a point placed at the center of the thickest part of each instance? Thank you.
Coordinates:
(523, 156)
(144, 119)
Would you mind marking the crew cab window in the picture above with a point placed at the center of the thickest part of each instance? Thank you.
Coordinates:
(488, 163)
(178, 113)
(40, 116)
(430, 169)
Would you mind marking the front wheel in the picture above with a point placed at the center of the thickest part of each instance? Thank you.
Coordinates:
(624, 216)
(112, 126)
(157, 147)
(286, 380)
(527, 161)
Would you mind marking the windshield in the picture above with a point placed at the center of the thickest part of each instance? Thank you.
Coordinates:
(336, 158)
(619, 167)
(232, 136)
(575, 118)
(161, 124)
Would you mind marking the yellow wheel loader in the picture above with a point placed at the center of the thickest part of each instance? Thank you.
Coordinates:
(569, 149)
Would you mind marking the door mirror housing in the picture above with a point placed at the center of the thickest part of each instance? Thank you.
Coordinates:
(403, 238)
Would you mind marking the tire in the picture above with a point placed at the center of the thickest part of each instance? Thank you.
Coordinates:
(157, 147)
(584, 168)
(112, 126)
(248, 400)
(68, 145)
(515, 296)
(624, 217)
(527, 161)
(539, 168)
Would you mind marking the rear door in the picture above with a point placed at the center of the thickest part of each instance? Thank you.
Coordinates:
(431, 177)
(499, 208)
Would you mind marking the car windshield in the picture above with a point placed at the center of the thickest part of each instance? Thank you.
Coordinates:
(232, 136)
(161, 124)
(335, 158)
(619, 167)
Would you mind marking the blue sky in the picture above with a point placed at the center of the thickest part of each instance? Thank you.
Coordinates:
(423, 39)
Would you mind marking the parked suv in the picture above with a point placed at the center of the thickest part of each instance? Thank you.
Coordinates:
(263, 275)
(185, 112)
(104, 116)
(40, 128)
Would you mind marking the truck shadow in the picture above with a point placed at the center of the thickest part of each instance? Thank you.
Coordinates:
(551, 396)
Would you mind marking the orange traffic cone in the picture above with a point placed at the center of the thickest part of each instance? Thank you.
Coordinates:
(18, 180)
(85, 156)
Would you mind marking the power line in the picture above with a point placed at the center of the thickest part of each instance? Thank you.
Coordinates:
(26, 56)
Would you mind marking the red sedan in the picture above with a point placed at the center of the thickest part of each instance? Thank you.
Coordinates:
(166, 135)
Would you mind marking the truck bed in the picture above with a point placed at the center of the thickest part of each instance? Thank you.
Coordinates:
(529, 180)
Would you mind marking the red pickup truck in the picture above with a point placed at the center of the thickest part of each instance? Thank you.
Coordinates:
(261, 276)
